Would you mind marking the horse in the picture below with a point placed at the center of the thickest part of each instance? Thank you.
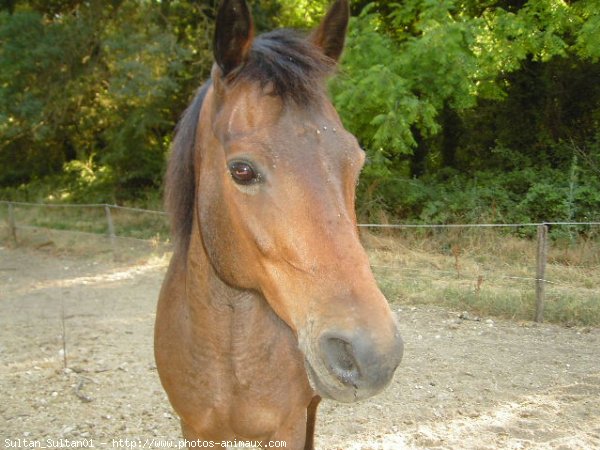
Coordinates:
(269, 304)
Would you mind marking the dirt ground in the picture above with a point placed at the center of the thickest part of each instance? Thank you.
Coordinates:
(465, 383)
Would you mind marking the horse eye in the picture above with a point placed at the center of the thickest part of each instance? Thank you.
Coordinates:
(243, 173)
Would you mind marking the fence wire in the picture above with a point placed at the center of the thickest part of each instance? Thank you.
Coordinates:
(463, 265)
(360, 225)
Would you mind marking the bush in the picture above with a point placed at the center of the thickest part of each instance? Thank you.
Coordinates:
(519, 196)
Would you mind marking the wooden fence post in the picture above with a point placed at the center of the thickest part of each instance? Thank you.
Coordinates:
(12, 227)
(540, 282)
(111, 227)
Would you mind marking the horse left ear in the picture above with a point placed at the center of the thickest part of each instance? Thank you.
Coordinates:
(331, 33)
(234, 31)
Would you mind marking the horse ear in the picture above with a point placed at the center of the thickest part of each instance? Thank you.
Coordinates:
(234, 32)
(331, 33)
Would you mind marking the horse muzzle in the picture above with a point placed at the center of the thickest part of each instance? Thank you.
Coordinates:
(352, 365)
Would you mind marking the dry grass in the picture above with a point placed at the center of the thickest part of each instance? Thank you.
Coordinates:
(488, 273)
(485, 271)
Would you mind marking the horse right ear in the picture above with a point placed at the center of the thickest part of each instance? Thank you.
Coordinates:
(331, 33)
(234, 32)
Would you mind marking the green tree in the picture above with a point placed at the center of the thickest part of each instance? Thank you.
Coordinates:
(464, 107)
(440, 89)
(95, 88)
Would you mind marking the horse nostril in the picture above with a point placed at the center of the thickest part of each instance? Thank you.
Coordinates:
(339, 356)
(358, 362)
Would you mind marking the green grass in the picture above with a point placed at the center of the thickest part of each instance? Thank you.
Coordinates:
(126, 223)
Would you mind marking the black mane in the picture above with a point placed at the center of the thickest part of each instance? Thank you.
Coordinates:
(285, 62)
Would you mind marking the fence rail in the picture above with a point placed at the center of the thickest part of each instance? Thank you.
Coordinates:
(110, 231)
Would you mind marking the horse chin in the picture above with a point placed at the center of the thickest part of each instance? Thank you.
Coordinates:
(328, 386)
(329, 391)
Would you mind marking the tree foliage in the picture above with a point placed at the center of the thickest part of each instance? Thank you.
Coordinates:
(440, 91)
(468, 109)
(96, 89)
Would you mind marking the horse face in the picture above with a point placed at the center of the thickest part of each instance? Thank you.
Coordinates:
(276, 191)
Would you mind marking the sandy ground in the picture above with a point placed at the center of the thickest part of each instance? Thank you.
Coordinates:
(463, 384)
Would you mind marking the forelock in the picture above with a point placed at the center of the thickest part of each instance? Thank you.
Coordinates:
(289, 64)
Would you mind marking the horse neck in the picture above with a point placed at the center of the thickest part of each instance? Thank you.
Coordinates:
(204, 287)
(240, 318)
(235, 332)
